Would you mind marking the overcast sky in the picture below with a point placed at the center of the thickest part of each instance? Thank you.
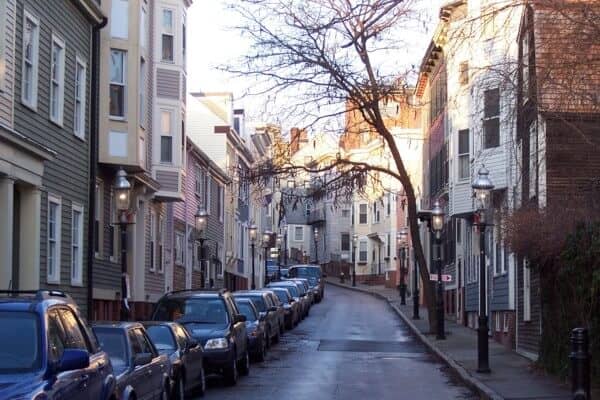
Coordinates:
(212, 43)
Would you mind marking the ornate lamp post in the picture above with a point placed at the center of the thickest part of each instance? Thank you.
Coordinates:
(201, 220)
(482, 189)
(316, 235)
(437, 225)
(252, 231)
(354, 242)
(267, 237)
(279, 243)
(122, 190)
(401, 241)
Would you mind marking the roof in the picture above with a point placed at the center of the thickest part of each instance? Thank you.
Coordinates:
(214, 169)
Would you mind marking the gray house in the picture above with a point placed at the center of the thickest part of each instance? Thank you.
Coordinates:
(51, 69)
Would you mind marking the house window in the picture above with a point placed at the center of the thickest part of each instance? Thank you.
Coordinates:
(463, 73)
(362, 251)
(376, 212)
(76, 246)
(166, 139)
(142, 92)
(345, 242)
(499, 258)
(389, 245)
(119, 18)
(345, 213)
(526, 291)
(198, 181)
(464, 162)
(525, 58)
(31, 33)
(179, 243)
(362, 214)
(118, 83)
(80, 86)
(161, 245)
(299, 233)
(221, 204)
(491, 118)
(57, 80)
(167, 35)
(458, 230)
(498, 318)
(54, 239)
(152, 240)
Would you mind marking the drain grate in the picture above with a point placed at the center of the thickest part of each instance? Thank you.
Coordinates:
(370, 346)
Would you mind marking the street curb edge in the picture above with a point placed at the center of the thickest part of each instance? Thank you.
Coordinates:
(483, 390)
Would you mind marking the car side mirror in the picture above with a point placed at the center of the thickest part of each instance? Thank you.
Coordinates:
(273, 309)
(239, 318)
(142, 359)
(73, 359)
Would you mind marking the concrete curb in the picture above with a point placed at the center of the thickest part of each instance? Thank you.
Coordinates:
(484, 391)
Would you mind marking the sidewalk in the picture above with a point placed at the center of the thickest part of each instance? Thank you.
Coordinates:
(511, 378)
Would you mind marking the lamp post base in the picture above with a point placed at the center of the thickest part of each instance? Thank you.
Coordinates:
(483, 365)
(402, 288)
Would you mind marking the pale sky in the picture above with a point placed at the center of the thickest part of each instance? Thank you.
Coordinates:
(211, 43)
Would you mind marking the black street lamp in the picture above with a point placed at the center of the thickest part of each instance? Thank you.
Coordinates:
(316, 234)
(267, 238)
(252, 231)
(279, 243)
(482, 189)
(122, 190)
(354, 241)
(401, 241)
(201, 220)
(437, 225)
(416, 291)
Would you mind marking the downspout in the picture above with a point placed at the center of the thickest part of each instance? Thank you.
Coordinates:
(94, 120)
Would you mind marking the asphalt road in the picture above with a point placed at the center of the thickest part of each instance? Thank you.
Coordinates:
(352, 346)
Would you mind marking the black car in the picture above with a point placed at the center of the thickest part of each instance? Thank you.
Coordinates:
(141, 371)
(212, 318)
(256, 327)
(290, 306)
(267, 310)
(314, 275)
(185, 354)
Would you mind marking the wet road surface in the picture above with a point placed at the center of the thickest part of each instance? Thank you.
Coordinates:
(352, 346)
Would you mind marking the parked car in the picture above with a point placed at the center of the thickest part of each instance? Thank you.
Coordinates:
(212, 318)
(296, 292)
(284, 273)
(47, 351)
(256, 328)
(304, 282)
(280, 309)
(141, 371)
(305, 296)
(266, 309)
(315, 276)
(185, 356)
(290, 306)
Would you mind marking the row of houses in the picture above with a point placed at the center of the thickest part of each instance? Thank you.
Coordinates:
(510, 87)
(90, 88)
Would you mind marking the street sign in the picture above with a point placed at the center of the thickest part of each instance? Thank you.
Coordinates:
(445, 278)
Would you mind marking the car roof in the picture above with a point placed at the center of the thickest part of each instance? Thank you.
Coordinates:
(32, 300)
(242, 293)
(184, 294)
(125, 325)
(159, 323)
(305, 266)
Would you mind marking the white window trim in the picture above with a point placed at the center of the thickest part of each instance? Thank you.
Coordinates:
(99, 213)
(161, 242)
(55, 277)
(142, 91)
(2, 45)
(295, 236)
(79, 131)
(124, 84)
(505, 323)
(61, 81)
(366, 260)
(32, 104)
(461, 155)
(207, 195)
(222, 203)
(366, 213)
(77, 281)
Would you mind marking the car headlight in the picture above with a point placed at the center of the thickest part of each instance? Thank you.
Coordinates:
(218, 343)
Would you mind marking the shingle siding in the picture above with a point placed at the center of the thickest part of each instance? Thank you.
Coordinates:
(67, 174)
(472, 297)
(6, 92)
(499, 300)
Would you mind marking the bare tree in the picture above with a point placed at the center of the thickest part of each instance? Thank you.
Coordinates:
(319, 60)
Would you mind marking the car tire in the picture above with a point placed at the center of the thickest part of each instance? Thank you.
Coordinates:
(231, 373)
(164, 395)
(202, 387)
(244, 367)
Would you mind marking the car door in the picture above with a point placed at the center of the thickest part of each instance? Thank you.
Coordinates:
(138, 376)
(192, 356)
(78, 338)
(156, 368)
(239, 329)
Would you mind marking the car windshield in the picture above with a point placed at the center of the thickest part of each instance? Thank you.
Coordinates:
(162, 337)
(293, 289)
(305, 272)
(282, 296)
(193, 310)
(246, 310)
(19, 342)
(258, 302)
(113, 342)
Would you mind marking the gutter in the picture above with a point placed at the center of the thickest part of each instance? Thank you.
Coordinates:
(94, 131)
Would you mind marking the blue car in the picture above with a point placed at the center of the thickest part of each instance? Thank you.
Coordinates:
(142, 372)
(48, 352)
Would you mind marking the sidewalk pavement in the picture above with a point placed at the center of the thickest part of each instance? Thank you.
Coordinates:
(512, 376)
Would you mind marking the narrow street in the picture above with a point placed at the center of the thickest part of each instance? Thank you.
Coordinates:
(352, 346)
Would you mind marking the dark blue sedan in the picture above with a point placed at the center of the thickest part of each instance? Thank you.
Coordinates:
(142, 372)
(256, 328)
